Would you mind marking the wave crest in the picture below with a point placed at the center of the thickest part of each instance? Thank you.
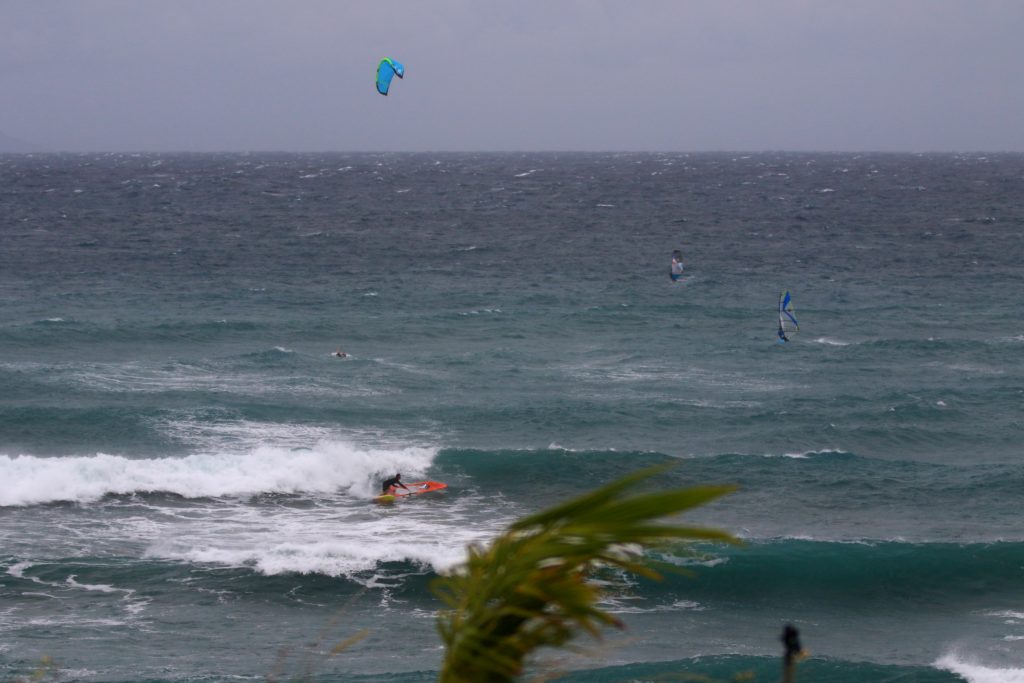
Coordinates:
(327, 467)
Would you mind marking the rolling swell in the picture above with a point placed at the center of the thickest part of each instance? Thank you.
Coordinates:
(547, 473)
(825, 495)
(785, 577)
(71, 575)
(717, 668)
(53, 430)
(74, 333)
(522, 471)
(736, 667)
(793, 574)
(711, 668)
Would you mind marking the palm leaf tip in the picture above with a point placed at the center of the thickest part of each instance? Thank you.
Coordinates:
(530, 588)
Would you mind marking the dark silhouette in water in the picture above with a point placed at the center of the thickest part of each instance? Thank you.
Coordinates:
(793, 653)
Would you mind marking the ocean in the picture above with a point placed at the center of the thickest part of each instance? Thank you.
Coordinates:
(186, 471)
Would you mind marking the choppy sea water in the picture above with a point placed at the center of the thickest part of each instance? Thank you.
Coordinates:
(186, 470)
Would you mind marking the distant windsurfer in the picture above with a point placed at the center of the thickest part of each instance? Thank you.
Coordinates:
(676, 270)
(388, 487)
(787, 318)
(340, 354)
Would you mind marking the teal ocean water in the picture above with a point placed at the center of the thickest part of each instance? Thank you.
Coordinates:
(186, 470)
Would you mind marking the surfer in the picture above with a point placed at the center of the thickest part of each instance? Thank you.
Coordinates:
(676, 270)
(390, 484)
(340, 354)
(782, 334)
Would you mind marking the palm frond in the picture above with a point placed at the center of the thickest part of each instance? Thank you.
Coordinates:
(530, 588)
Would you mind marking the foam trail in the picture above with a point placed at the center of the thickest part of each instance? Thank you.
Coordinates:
(352, 538)
(356, 552)
(329, 466)
(976, 673)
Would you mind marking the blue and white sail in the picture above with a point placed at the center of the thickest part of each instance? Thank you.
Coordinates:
(788, 326)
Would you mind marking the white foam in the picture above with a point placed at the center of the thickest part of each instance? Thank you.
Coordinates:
(975, 368)
(830, 342)
(616, 607)
(357, 553)
(37, 594)
(1006, 614)
(147, 378)
(978, 673)
(614, 368)
(131, 605)
(73, 620)
(327, 467)
(354, 538)
(805, 454)
(243, 435)
(99, 587)
(236, 513)
(18, 570)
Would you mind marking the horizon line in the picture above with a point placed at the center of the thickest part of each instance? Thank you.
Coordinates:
(39, 152)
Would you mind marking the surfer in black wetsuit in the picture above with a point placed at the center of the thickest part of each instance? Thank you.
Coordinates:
(782, 334)
(392, 482)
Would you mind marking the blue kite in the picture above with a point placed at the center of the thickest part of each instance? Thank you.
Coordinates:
(386, 70)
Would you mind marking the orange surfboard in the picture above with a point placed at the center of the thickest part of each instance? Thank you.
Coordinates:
(415, 488)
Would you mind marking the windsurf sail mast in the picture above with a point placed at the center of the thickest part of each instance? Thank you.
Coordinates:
(788, 325)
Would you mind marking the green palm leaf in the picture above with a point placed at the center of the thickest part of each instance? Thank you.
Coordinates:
(530, 588)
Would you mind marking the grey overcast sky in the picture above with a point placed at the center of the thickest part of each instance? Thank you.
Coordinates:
(659, 75)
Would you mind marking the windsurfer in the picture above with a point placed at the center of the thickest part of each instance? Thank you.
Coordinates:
(788, 325)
